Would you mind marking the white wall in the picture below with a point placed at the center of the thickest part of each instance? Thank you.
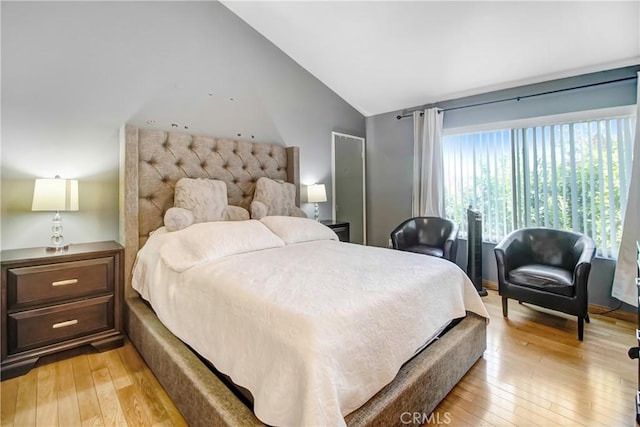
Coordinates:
(74, 72)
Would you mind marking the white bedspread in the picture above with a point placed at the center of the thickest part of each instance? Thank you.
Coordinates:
(312, 329)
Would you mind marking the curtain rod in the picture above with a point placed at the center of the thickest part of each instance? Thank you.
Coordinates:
(516, 98)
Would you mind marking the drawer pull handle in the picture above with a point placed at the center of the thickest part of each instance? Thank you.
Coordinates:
(65, 282)
(64, 324)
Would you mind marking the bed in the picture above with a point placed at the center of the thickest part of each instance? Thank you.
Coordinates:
(152, 163)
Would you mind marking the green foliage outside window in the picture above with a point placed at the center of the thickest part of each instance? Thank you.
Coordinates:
(571, 176)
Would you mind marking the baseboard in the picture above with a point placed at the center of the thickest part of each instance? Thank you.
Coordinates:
(603, 310)
(593, 308)
(488, 284)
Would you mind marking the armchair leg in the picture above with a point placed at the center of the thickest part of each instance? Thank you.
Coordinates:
(580, 327)
(505, 307)
(586, 319)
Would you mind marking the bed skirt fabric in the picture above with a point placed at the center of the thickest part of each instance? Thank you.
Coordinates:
(204, 400)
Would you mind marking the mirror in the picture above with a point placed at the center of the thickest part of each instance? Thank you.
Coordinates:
(348, 184)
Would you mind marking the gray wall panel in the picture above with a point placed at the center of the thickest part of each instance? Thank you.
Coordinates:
(74, 72)
(389, 175)
(391, 150)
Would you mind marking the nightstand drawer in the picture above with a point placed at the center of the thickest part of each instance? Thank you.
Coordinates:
(37, 328)
(30, 286)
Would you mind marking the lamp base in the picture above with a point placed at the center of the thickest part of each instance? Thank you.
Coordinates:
(316, 213)
(57, 239)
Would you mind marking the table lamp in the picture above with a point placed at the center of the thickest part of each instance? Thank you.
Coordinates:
(316, 193)
(55, 195)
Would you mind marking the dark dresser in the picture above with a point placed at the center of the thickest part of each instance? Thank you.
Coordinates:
(57, 301)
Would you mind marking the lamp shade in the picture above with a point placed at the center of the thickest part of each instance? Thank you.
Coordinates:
(55, 195)
(316, 193)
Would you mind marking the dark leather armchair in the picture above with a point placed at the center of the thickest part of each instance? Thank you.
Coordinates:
(427, 235)
(546, 267)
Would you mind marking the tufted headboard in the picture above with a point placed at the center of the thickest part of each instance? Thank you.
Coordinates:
(153, 161)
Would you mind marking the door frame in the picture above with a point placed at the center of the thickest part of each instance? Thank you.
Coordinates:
(333, 180)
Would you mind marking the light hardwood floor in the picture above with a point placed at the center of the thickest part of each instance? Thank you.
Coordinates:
(534, 372)
(114, 388)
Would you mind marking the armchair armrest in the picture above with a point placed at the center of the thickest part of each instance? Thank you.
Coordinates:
(509, 253)
(403, 236)
(588, 251)
(453, 235)
(394, 239)
(450, 243)
(583, 265)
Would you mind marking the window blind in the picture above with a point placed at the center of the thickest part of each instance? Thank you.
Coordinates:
(570, 176)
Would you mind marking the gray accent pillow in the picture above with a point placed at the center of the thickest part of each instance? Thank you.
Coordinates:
(274, 197)
(177, 218)
(205, 198)
(201, 200)
(236, 213)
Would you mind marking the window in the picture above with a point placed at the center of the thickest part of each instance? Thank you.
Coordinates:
(571, 175)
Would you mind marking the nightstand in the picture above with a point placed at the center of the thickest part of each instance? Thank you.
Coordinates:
(56, 301)
(341, 228)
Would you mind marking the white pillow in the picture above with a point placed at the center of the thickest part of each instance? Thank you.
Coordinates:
(213, 240)
(296, 230)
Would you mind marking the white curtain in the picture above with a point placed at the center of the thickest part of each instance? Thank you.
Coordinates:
(428, 177)
(624, 287)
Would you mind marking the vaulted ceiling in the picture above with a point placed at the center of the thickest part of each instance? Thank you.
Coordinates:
(383, 56)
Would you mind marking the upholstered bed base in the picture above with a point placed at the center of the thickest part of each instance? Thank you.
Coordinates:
(205, 400)
(152, 162)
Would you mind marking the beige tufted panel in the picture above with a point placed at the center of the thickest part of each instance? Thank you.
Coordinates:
(153, 161)
(165, 157)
